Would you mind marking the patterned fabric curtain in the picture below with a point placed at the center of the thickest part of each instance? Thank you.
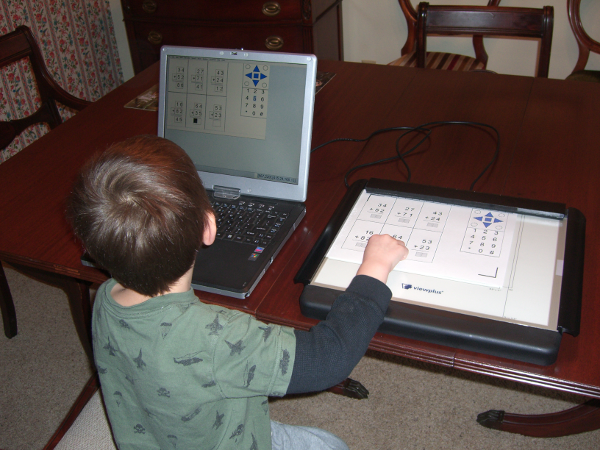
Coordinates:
(78, 43)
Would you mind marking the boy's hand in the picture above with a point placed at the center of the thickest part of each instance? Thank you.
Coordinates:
(382, 254)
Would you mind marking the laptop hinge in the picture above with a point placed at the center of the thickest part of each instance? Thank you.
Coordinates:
(226, 192)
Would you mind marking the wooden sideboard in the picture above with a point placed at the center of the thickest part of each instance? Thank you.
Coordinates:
(296, 26)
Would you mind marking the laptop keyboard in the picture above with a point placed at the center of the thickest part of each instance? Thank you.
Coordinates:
(248, 222)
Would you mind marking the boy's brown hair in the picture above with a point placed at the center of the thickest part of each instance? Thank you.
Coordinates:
(140, 210)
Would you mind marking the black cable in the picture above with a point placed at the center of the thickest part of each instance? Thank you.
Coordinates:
(393, 158)
(375, 133)
(353, 169)
(408, 152)
(477, 124)
(401, 156)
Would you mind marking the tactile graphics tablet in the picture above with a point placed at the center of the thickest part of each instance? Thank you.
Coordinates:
(486, 273)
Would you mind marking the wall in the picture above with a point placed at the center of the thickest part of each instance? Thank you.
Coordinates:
(121, 36)
(376, 30)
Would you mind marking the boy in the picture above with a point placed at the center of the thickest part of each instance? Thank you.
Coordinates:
(178, 373)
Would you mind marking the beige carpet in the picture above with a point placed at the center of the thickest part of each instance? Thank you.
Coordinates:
(410, 406)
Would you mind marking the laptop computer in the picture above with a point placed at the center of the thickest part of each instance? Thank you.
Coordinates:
(245, 119)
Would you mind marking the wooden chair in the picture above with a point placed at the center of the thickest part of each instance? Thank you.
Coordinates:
(438, 60)
(15, 46)
(21, 44)
(585, 43)
(486, 21)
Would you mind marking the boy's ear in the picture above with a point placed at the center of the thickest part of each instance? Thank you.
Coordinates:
(210, 232)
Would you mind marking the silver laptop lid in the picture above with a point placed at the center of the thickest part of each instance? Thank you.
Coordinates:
(244, 117)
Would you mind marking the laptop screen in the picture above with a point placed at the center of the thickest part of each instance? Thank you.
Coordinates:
(245, 118)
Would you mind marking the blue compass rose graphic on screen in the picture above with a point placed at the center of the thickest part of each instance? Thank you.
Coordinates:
(256, 75)
(488, 219)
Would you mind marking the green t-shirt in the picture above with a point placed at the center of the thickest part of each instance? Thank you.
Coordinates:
(178, 373)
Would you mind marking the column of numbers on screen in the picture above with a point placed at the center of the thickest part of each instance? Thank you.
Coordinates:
(177, 76)
(255, 102)
(217, 79)
(255, 90)
(218, 82)
(197, 70)
(196, 81)
(483, 242)
(195, 111)
(176, 110)
(215, 111)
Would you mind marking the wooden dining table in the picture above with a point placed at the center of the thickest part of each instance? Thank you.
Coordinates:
(548, 150)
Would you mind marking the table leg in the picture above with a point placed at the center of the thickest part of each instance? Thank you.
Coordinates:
(582, 418)
(78, 293)
(7, 307)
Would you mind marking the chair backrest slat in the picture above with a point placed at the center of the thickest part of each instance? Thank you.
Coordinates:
(486, 21)
(13, 47)
(410, 14)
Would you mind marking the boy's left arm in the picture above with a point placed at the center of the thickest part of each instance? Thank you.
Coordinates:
(327, 353)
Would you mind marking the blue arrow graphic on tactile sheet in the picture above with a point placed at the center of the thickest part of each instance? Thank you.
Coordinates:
(256, 76)
(488, 219)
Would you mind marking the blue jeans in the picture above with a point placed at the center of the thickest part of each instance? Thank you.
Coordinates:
(290, 437)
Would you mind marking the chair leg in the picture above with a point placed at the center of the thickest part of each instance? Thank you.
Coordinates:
(579, 419)
(86, 394)
(9, 316)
